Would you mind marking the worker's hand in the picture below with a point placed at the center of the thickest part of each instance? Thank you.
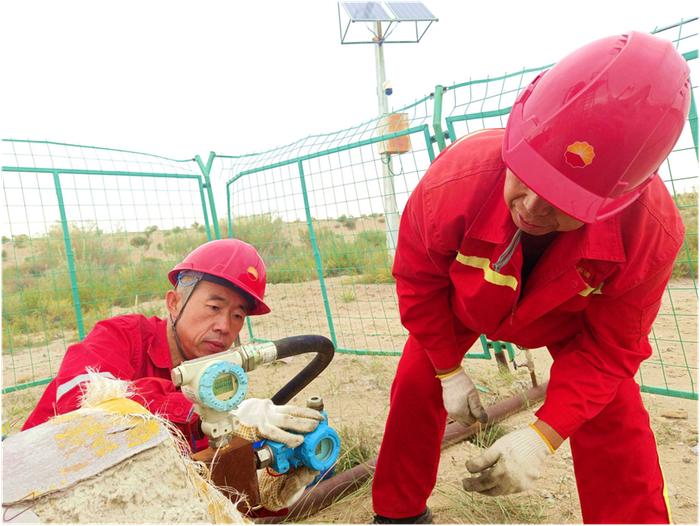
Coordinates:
(461, 398)
(510, 465)
(276, 421)
(281, 491)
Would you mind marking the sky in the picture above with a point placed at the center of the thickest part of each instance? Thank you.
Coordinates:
(183, 78)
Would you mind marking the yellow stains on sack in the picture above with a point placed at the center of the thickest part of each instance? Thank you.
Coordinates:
(101, 433)
(490, 275)
(74, 467)
(579, 154)
(144, 428)
(122, 406)
(215, 506)
(87, 434)
(142, 432)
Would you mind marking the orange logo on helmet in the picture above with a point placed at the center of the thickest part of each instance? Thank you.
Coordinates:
(579, 154)
(253, 273)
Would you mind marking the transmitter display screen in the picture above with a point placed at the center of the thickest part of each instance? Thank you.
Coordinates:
(224, 386)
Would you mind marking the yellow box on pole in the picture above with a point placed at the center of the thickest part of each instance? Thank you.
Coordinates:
(392, 123)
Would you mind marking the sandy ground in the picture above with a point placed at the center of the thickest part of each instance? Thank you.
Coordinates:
(356, 391)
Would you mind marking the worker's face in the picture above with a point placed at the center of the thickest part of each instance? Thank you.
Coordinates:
(532, 214)
(211, 320)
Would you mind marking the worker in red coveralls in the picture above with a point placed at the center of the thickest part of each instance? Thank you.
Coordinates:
(216, 286)
(557, 232)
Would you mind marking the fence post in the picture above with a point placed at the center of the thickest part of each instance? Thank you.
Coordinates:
(69, 257)
(428, 143)
(206, 169)
(204, 208)
(437, 116)
(317, 255)
(229, 226)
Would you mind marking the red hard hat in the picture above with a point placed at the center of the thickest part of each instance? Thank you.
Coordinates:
(588, 134)
(232, 260)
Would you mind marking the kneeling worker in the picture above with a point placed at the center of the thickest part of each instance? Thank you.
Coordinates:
(215, 287)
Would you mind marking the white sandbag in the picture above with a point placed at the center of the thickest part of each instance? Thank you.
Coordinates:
(71, 448)
(109, 462)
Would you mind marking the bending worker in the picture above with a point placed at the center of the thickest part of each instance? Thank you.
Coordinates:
(215, 287)
(557, 232)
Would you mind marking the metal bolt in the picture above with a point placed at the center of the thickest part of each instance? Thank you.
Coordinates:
(315, 402)
(263, 457)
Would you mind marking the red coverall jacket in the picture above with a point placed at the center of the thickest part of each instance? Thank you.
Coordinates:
(130, 347)
(591, 299)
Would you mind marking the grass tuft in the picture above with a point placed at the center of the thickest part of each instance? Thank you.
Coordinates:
(357, 445)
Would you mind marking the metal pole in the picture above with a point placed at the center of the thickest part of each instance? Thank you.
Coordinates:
(437, 118)
(391, 209)
(206, 169)
(317, 255)
(69, 257)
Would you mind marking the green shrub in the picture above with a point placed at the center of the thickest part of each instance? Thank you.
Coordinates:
(348, 296)
(20, 241)
(296, 266)
(269, 236)
(348, 222)
(376, 268)
(140, 241)
(88, 244)
(339, 256)
(686, 264)
(182, 242)
(38, 298)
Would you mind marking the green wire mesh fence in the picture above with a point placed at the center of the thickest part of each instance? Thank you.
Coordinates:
(672, 369)
(328, 216)
(88, 233)
(91, 232)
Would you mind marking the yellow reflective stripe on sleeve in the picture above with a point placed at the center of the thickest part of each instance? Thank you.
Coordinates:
(490, 275)
(590, 290)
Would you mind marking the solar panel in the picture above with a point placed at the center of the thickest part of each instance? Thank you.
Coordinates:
(366, 11)
(410, 11)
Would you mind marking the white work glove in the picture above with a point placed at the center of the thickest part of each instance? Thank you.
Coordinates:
(281, 491)
(510, 465)
(274, 422)
(460, 397)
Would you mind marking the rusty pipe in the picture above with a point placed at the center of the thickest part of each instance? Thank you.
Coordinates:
(327, 491)
(456, 432)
